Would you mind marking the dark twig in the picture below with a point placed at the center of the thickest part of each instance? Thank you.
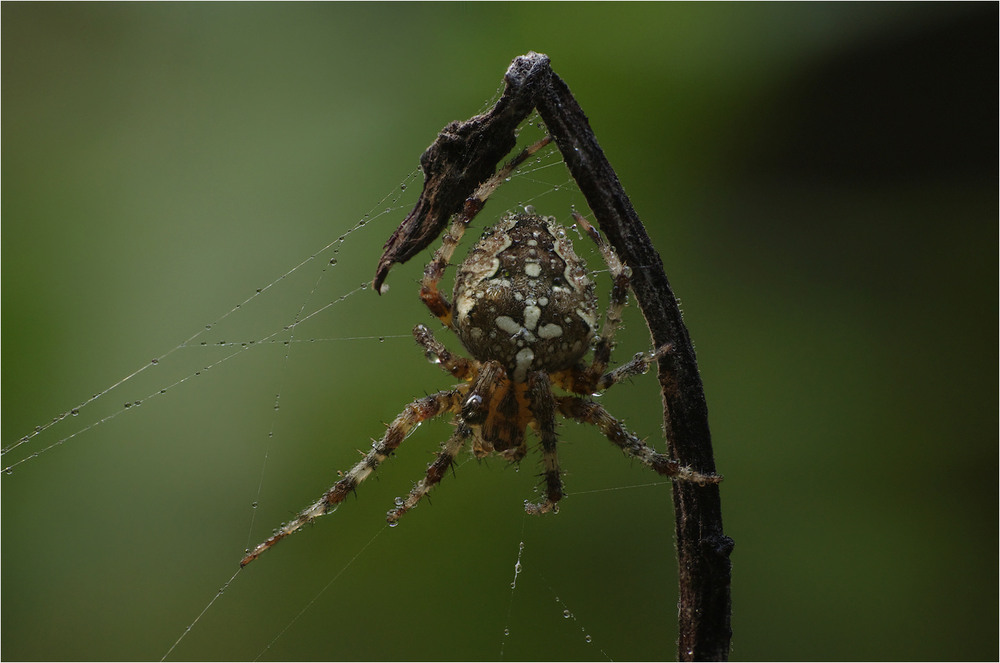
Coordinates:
(465, 154)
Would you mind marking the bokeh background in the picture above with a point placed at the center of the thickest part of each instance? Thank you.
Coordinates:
(821, 181)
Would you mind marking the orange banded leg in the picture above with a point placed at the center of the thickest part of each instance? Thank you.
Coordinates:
(543, 410)
(434, 272)
(435, 472)
(589, 412)
(414, 413)
(436, 353)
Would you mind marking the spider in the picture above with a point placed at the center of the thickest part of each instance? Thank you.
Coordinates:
(526, 310)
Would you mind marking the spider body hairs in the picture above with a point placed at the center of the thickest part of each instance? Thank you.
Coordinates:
(526, 310)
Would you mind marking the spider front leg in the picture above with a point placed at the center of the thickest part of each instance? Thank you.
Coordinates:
(589, 412)
(436, 353)
(414, 413)
(613, 318)
(434, 272)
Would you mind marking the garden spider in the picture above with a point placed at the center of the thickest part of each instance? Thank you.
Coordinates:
(526, 311)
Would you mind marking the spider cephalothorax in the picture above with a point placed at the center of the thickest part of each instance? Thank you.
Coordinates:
(525, 309)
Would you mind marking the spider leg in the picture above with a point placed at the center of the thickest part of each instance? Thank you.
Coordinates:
(414, 413)
(638, 365)
(589, 412)
(455, 365)
(435, 472)
(542, 405)
(619, 292)
(434, 272)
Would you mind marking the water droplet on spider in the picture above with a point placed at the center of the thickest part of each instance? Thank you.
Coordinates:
(398, 501)
(393, 523)
(567, 614)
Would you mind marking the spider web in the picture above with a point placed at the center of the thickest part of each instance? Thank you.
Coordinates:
(246, 419)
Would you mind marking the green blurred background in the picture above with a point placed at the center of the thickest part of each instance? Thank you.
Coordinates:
(821, 181)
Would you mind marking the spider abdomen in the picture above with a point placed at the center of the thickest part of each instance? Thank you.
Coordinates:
(523, 297)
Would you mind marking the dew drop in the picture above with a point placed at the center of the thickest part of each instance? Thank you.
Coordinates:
(402, 187)
(587, 638)
(8, 470)
(506, 631)
(398, 501)
(333, 261)
(154, 361)
(393, 524)
(74, 412)
(381, 339)
(254, 505)
(567, 614)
